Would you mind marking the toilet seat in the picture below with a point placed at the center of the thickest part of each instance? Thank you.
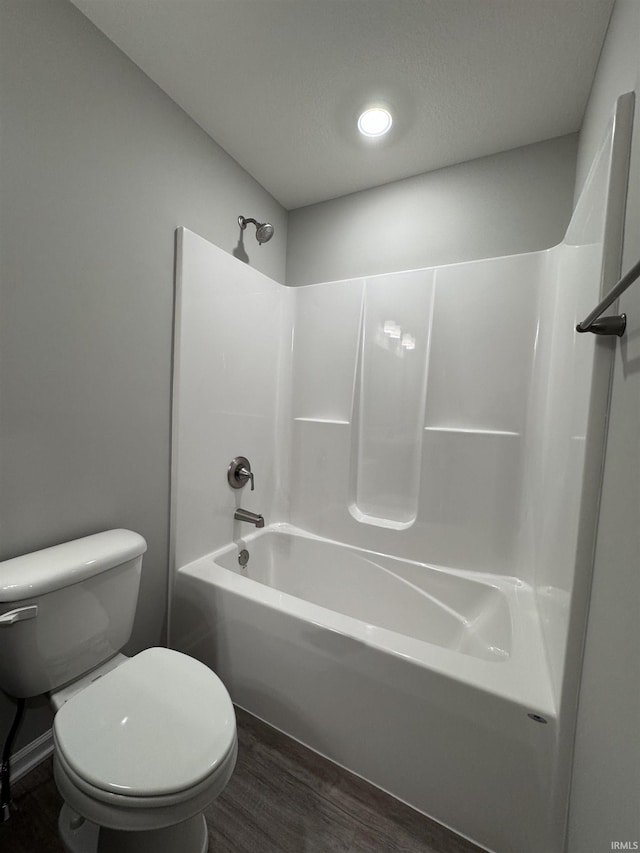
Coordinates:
(122, 812)
(155, 737)
(159, 723)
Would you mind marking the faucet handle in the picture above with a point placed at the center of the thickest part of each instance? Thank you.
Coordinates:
(247, 474)
(239, 472)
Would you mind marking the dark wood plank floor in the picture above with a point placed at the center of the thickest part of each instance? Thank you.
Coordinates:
(282, 798)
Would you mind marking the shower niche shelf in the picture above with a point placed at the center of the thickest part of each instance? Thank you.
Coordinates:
(377, 521)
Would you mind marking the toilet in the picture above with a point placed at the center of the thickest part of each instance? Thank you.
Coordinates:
(142, 745)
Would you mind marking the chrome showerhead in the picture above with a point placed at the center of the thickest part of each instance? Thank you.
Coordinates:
(264, 230)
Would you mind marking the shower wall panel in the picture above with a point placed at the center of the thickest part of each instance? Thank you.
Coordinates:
(470, 499)
(375, 412)
(555, 447)
(429, 470)
(326, 328)
(230, 353)
(483, 342)
(569, 398)
(388, 413)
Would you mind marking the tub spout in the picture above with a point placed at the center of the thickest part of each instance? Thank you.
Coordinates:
(251, 517)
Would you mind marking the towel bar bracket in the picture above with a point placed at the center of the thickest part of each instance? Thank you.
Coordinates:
(610, 325)
(613, 325)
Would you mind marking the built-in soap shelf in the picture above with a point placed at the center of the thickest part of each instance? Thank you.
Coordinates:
(376, 521)
(471, 431)
(322, 421)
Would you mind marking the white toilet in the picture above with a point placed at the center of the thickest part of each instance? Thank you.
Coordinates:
(142, 745)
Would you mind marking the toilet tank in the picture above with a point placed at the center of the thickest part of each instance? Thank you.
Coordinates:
(67, 609)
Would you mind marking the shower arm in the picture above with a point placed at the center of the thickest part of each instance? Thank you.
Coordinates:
(264, 230)
(616, 324)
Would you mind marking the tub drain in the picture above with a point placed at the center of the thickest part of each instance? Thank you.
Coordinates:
(243, 557)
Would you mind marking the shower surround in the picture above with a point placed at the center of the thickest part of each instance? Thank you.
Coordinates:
(414, 608)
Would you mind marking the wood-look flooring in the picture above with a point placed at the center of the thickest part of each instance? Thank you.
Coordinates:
(282, 798)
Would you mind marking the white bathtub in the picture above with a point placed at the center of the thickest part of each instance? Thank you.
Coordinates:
(419, 679)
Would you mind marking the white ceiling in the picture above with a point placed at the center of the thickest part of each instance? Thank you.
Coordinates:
(279, 84)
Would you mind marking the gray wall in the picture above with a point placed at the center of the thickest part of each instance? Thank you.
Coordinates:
(605, 797)
(516, 201)
(98, 168)
(617, 73)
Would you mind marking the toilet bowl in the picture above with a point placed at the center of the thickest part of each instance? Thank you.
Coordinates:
(142, 745)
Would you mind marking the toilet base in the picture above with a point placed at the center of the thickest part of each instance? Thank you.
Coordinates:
(81, 836)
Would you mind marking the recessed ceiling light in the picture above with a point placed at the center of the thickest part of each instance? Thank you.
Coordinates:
(374, 122)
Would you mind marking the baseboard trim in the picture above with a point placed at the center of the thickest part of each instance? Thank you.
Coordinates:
(34, 753)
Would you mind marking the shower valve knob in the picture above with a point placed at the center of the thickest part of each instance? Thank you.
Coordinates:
(239, 472)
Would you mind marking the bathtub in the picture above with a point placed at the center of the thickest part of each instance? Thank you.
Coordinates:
(430, 683)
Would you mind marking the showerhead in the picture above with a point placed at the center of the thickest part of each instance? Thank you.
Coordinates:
(264, 230)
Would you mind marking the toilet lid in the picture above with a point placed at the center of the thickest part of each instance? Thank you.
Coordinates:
(159, 723)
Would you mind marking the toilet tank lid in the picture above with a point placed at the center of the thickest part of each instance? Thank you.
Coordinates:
(40, 572)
